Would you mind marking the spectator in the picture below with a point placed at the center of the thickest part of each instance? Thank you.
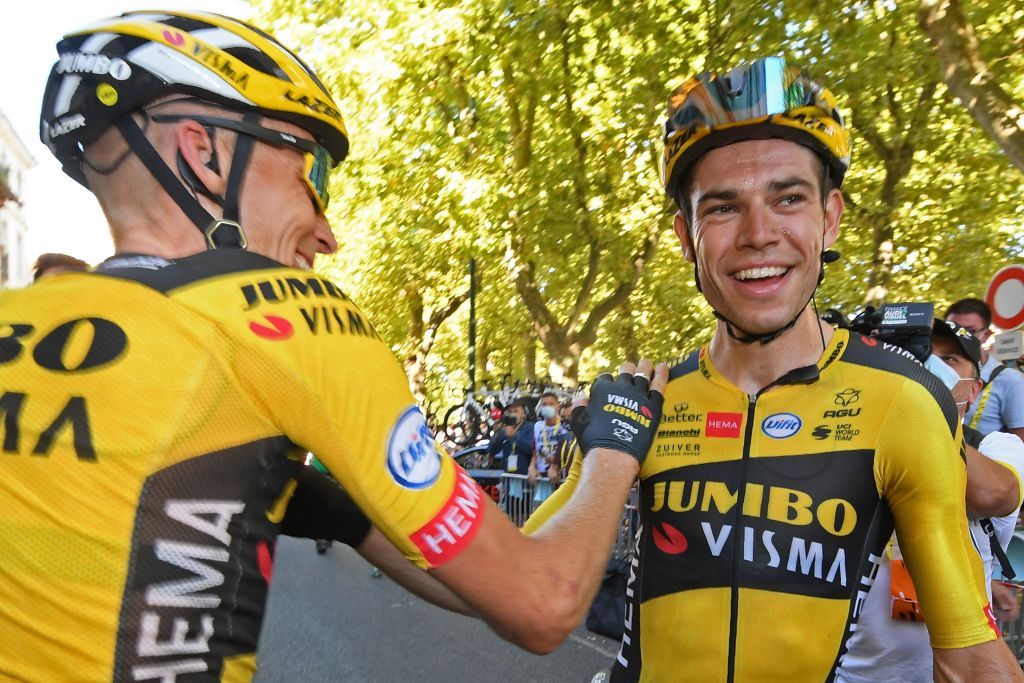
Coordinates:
(512, 444)
(548, 434)
(1001, 404)
(53, 263)
(891, 642)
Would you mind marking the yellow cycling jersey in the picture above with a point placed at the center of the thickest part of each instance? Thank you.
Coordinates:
(154, 415)
(763, 518)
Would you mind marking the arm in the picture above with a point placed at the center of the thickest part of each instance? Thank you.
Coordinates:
(378, 551)
(923, 478)
(553, 574)
(991, 662)
(992, 488)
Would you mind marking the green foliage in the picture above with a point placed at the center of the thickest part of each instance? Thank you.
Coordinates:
(519, 132)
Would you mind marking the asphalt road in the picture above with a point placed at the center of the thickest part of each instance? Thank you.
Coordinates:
(328, 619)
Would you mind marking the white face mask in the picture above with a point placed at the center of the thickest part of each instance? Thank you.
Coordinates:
(940, 369)
(547, 412)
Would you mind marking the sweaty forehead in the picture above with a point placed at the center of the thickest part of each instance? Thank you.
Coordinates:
(754, 163)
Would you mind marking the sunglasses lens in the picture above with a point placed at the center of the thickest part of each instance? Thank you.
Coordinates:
(318, 164)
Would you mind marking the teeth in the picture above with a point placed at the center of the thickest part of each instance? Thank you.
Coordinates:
(301, 263)
(758, 273)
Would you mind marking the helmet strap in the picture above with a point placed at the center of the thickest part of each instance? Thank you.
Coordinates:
(189, 205)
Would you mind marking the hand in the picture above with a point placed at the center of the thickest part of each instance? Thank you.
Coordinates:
(622, 414)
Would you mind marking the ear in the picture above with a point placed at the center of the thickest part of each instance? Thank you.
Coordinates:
(683, 233)
(834, 205)
(976, 387)
(198, 150)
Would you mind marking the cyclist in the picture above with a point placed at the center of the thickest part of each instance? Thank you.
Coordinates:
(787, 449)
(157, 409)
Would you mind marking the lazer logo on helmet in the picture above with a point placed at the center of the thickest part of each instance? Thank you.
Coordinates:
(314, 104)
(412, 456)
(100, 65)
(66, 125)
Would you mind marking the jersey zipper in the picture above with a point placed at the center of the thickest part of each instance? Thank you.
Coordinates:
(736, 539)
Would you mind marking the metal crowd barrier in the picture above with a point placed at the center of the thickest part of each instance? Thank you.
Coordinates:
(518, 499)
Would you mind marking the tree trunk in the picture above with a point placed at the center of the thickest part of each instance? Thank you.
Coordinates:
(968, 77)
(423, 329)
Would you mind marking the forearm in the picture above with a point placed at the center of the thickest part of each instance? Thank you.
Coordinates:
(549, 579)
(379, 551)
(992, 489)
(991, 662)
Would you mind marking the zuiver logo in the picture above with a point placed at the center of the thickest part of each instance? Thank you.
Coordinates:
(781, 425)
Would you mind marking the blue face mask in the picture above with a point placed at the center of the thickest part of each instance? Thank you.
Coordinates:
(547, 412)
(940, 369)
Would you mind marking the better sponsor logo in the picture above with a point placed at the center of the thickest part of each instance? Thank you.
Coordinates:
(723, 425)
(412, 456)
(279, 328)
(781, 425)
(100, 65)
(847, 396)
(454, 527)
(683, 417)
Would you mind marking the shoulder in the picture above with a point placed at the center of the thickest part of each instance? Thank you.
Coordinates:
(684, 366)
(1009, 378)
(889, 362)
(167, 275)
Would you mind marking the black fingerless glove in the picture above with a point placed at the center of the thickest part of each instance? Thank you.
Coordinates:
(622, 415)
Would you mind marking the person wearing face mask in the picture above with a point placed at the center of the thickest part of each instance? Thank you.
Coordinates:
(548, 434)
(891, 642)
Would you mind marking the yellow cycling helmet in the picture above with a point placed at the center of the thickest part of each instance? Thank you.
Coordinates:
(763, 99)
(116, 66)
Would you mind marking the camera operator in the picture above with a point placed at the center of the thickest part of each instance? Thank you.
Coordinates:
(512, 444)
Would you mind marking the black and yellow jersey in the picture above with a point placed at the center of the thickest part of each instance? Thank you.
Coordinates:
(763, 518)
(155, 414)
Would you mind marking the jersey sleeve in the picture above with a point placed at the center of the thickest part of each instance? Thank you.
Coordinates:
(313, 362)
(922, 475)
(556, 500)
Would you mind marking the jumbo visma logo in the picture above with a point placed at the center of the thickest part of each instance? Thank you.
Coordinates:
(781, 425)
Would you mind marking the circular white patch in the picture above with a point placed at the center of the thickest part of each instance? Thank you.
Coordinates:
(412, 456)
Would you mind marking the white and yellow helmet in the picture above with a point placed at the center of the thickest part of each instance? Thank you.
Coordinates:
(118, 65)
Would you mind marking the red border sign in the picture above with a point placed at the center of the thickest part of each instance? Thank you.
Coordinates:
(1014, 318)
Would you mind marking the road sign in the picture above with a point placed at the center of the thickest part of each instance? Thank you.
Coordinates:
(1009, 345)
(1005, 296)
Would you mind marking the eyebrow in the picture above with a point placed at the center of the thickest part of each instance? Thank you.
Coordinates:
(773, 186)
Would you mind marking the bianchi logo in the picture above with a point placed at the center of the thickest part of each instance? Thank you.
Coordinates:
(821, 432)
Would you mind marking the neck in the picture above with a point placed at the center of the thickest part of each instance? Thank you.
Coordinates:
(753, 366)
(984, 356)
(551, 422)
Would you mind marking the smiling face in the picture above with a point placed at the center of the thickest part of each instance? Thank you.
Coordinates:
(280, 217)
(758, 230)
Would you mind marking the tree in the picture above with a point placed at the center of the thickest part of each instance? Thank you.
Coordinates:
(969, 77)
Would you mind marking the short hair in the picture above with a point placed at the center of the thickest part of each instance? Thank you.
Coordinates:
(549, 393)
(54, 261)
(971, 305)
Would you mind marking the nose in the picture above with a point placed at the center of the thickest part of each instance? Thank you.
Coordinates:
(760, 228)
(325, 240)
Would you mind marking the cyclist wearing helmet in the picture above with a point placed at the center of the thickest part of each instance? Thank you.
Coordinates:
(157, 410)
(788, 450)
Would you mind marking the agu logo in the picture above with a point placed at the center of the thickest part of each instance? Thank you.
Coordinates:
(412, 455)
(781, 425)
